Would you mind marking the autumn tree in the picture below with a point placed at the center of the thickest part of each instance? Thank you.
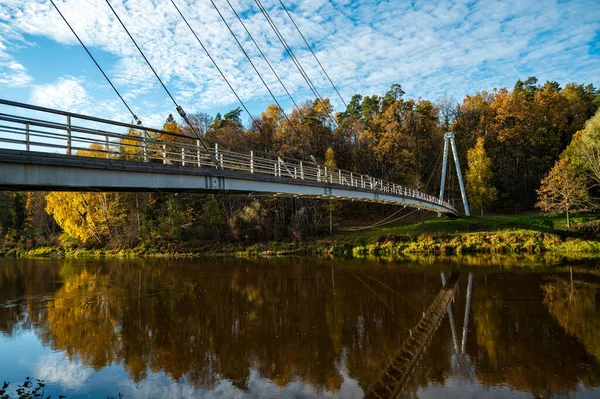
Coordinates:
(563, 190)
(588, 148)
(40, 226)
(131, 147)
(479, 177)
(89, 217)
(332, 205)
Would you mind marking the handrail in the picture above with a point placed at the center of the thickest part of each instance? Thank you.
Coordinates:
(31, 132)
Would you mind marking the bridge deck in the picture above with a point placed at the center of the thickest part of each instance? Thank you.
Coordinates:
(37, 171)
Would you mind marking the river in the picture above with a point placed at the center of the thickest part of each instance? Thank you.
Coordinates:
(298, 327)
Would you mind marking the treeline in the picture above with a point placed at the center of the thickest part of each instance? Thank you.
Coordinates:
(512, 137)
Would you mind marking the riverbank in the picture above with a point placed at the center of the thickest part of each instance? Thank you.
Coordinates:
(491, 235)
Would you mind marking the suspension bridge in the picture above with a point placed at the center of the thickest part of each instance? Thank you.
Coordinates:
(83, 153)
(57, 150)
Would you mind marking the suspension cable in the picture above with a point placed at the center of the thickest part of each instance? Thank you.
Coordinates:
(313, 53)
(254, 67)
(379, 224)
(254, 122)
(177, 107)
(264, 56)
(139, 122)
(300, 111)
(287, 48)
(435, 163)
(290, 52)
(380, 221)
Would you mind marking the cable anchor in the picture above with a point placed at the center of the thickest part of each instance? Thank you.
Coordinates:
(181, 112)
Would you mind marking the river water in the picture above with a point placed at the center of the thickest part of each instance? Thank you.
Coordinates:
(293, 328)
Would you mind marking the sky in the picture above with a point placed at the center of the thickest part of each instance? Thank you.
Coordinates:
(431, 48)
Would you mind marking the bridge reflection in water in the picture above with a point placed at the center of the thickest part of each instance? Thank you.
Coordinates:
(303, 328)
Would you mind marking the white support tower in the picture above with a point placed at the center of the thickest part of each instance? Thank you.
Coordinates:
(449, 137)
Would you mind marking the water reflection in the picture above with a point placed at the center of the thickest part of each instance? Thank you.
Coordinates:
(295, 328)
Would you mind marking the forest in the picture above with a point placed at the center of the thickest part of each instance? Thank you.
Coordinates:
(533, 148)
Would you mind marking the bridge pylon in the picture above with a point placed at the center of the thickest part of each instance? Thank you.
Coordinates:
(449, 138)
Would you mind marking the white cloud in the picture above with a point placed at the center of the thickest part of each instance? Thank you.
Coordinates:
(12, 73)
(430, 48)
(57, 369)
(66, 94)
(161, 386)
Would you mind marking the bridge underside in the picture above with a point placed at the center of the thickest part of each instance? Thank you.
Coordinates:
(31, 171)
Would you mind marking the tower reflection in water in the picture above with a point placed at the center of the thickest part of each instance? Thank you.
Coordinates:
(308, 327)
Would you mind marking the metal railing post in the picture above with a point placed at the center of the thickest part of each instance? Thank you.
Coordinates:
(107, 147)
(145, 143)
(182, 156)
(251, 161)
(164, 153)
(325, 174)
(68, 134)
(351, 179)
(217, 154)
(339, 176)
(198, 152)
(301, 171)
(27, 137)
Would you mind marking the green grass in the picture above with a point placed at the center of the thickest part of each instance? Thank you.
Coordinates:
(539, 223)
(523, 234)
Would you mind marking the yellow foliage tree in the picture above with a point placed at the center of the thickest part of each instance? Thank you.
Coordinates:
(132, 148)
(481, 192)
(88, 217)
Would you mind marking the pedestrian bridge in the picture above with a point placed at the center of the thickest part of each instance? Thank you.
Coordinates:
(43, 149)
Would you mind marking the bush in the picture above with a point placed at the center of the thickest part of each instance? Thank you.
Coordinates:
(588, 230)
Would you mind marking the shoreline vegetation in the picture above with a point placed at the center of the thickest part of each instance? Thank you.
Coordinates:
(509, 235)
(535, 147)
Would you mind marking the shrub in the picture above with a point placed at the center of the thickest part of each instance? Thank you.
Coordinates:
(588, 230)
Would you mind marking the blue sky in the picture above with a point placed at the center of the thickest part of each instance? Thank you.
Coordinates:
(431, 48)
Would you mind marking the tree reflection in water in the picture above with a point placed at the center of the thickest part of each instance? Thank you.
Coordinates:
(328, 324)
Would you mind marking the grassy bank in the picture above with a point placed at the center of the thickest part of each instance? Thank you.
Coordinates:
(532, 234)
(529, 234)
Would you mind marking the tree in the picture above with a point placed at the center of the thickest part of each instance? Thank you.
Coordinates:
(563, 190)
(132, 148)
(394, 94)
(479, 176)
(211, 213)
(40, 226)
(588, 148)
(333, 206)
(90, 217)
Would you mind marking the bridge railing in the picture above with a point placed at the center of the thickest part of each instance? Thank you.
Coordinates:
(82, 135)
